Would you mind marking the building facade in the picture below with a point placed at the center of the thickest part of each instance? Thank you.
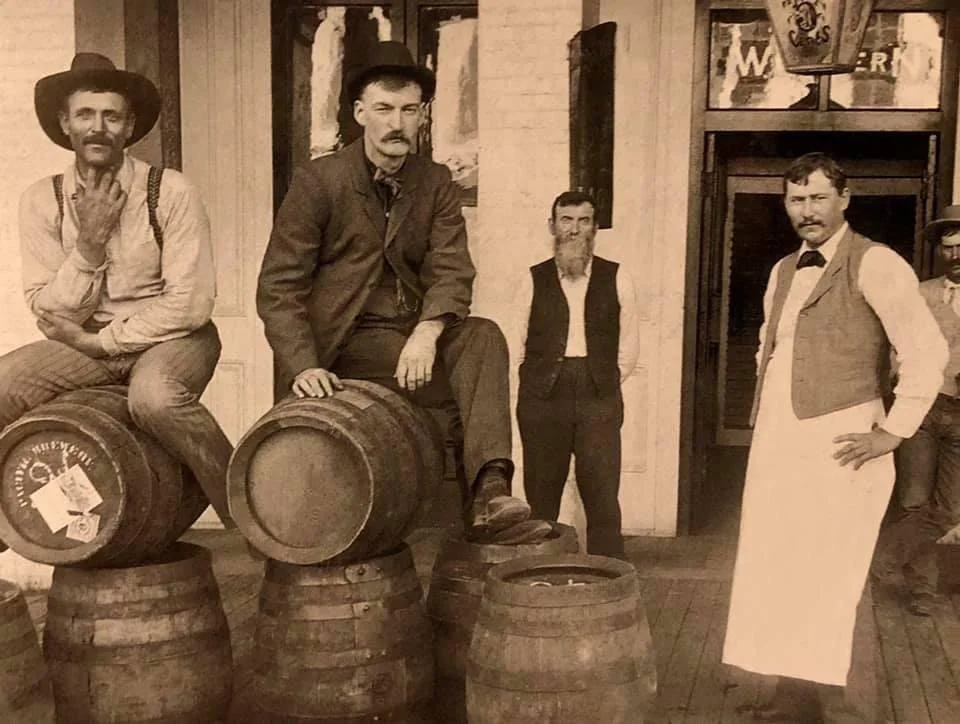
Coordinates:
(704, 120)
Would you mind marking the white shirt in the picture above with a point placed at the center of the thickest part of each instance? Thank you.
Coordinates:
(575, 291)
(140, 296)
(890, 287)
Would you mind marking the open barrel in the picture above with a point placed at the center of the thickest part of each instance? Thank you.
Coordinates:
(560, 639)
(453, 603)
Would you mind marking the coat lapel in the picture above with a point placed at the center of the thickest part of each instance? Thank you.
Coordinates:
(836, 265)
(413, 169)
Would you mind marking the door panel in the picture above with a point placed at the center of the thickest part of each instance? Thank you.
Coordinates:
(756, 233)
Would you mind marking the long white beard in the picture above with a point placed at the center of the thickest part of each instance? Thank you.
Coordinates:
(573, 256)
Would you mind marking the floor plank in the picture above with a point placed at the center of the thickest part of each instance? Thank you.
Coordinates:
(906, 691)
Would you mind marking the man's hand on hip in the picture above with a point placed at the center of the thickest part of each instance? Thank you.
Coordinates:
(415, 364)
(98, 212)
(863, 446)
(61, 329)
(316, 382)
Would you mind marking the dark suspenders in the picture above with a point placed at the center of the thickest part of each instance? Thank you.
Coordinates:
(154, 176)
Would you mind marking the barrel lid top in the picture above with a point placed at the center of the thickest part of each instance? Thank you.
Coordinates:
(561, 580)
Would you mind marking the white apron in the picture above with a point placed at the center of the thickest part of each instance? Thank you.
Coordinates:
(807, 530)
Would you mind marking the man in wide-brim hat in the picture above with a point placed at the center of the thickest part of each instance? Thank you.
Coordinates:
(118, 268)
(928, 464)
(367, 275)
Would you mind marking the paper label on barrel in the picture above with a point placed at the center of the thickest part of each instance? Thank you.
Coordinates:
(78, 489)
(84, 528)
(52, 505)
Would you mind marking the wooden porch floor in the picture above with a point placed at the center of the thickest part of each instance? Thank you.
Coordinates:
(686, 589)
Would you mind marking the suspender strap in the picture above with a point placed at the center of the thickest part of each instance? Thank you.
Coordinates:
(154, 176)
(58, 192)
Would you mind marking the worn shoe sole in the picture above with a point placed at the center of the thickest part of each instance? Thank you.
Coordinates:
(524, 533)
(499, 513)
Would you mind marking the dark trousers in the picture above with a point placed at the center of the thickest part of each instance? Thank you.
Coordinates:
(575, 420)
(858, 700)
(928, 489)
(470, 371)
(165, 383)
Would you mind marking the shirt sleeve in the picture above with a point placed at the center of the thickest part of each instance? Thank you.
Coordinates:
(767, 309)
(522, 300)
(189, 279)
(629, 348)
(54, 279)
(890, 287)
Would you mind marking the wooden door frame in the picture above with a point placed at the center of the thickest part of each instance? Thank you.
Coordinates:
(703, 176)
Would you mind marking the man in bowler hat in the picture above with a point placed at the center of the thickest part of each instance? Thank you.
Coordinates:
(928, 464)
(118, 269)
(367, 275)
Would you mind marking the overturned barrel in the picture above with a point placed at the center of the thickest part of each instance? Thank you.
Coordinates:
(334, 479)
(146, 643)
(456, 588)
(341, 644)
(560, 639)
(25, 693)
(82, 485)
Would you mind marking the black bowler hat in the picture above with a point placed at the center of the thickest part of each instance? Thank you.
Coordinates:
(391, 58)
(92, 70)
(950, 220)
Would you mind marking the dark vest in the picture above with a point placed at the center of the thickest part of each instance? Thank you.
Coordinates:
(841, 355)
(550, 320)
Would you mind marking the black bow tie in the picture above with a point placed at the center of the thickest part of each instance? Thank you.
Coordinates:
(811, 258)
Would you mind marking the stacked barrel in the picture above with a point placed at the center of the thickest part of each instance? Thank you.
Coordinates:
(327, 489)
(132, 616)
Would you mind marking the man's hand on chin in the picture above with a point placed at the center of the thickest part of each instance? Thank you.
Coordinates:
(61, 329)
(415, 364)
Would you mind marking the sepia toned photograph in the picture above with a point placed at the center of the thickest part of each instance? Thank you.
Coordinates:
(480, 361)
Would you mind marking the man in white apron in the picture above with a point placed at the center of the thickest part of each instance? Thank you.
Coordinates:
(820, 471)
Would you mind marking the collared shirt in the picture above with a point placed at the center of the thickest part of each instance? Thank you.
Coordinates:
(575, 291)
(890, 287)
(139, 296)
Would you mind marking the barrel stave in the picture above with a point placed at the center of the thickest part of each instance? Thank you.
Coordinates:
(143, 643)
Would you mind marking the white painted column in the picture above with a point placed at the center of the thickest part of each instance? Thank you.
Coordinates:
(228, 153)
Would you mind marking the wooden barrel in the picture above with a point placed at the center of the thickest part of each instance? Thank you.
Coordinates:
(342, 644)
(25, 694)
(83, 485)
(558, 639)
(336, 479)
(453, 602)
(147, 643)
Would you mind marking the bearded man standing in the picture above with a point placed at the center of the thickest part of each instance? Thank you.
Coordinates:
(579, 342)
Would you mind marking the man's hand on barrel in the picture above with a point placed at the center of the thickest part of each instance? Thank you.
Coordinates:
(316, 382)
(415, 364)
(61, 329)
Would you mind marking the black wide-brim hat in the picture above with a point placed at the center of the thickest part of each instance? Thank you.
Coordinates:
(95, 71)
(391, 58)
(949, 220)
